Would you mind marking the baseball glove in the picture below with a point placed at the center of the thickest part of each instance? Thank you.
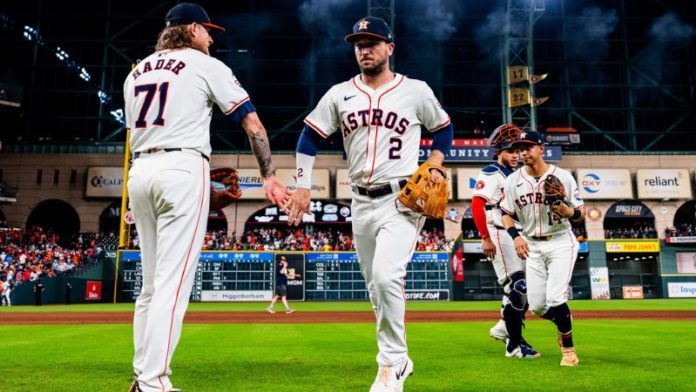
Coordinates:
(555, 194)
(423, 196)
(224, 187)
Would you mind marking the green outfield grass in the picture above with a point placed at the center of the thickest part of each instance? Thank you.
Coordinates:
(614, 355)
(652, 304)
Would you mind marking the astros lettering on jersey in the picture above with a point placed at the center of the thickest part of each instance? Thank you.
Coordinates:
(380, 129)
(524, 196)
(151, 87)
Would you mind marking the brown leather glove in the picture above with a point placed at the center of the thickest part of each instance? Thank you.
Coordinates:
(555, 194)
(224, 187)
(422, 195)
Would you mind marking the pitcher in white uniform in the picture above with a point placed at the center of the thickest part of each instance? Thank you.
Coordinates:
(169, 98)
(547, 242)
(497, 244)
(379, 115)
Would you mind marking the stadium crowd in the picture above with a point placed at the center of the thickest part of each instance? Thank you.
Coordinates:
(27, 255)
(314, 240)
(638, 231)
(681, 230)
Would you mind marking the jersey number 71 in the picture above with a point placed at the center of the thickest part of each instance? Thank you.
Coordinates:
(150, 90)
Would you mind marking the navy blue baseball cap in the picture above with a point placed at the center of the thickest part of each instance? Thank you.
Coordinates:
(530, 138)
(187, 13)
(370, 27)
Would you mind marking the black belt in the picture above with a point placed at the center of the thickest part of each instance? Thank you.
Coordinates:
(378, 191)
(154, 150)
(542, 238)
(499, 227)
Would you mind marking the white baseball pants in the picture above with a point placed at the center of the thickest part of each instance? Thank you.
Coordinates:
(169, 194)
(385, 237)
(549, 270)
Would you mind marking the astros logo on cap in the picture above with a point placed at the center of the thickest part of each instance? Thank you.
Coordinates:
(363, 24)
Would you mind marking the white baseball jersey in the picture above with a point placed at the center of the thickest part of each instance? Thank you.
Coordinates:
(152, 99)
(489, 186)
(524, 196)
(381, 128)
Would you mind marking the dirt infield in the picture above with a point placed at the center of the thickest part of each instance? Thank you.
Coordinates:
(32, 318)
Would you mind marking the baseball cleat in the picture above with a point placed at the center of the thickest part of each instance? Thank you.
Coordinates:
(391, 378)
(570, 358)
(522, 351)
(288, 311)
(499, 331)
(271, 311)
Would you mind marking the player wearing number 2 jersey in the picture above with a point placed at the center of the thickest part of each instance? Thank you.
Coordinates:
(547, 242)
(169, 97)
(379, 115)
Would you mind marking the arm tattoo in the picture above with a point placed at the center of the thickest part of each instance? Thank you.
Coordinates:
(262, 150)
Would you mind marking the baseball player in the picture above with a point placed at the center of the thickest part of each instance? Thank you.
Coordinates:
(169, 98)
(546, 242)
(379, 114)
(498, 246)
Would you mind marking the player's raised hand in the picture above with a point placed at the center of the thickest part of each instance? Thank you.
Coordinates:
(276, 192)
(521, 248)
(488, 248)
(297, 206)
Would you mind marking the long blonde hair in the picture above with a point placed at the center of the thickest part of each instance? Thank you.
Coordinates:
(174, 37)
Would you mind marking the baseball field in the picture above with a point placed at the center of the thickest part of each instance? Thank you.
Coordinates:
(622, 345)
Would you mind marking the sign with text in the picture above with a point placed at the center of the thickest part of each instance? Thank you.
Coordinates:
(236, 295)
(607, 184)
(343, 191)
(663, 184)
(681, 289)
(251, 183)
(649, 246)
(632, 292)
(466, 181)
(686, 262)
(104, 182)
(599, 282)
(93, 290)
(690, 239)
(483, 154)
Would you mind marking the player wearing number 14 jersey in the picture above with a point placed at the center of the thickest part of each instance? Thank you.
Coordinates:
(169, 99)
(546, 241)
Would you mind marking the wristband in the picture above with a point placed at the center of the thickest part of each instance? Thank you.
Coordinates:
(513, 232)
(576, 214)
(304, 170)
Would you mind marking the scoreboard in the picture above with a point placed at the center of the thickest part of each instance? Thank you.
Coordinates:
(221, 276)
(316, 276)
(336, 276)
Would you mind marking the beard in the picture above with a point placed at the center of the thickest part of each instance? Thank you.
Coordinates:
(374, 70)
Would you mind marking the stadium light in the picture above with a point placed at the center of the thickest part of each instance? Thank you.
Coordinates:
(118, 116)
(31, 34)
(61, 54)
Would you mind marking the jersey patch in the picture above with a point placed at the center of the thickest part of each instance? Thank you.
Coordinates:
(480, 184)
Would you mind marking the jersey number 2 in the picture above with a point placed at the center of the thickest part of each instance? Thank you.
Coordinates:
(395, 149)
(150, 90)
